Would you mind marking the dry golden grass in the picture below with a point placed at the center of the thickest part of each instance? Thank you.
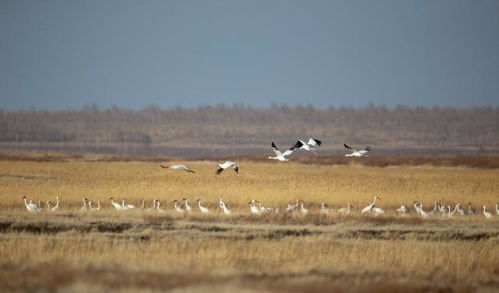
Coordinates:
(139, 251)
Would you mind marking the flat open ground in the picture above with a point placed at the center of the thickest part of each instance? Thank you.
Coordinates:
(144, 251)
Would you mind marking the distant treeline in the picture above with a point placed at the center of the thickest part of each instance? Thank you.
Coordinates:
(234, 130)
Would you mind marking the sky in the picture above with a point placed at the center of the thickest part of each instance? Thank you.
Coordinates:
(66, 54)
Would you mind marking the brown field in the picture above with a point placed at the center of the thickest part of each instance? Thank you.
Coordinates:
(133, 251)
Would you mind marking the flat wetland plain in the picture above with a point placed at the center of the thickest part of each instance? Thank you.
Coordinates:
(141, 251)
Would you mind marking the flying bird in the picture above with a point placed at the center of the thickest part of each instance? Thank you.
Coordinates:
(178, 167)
(281, 156)
(227, 164)
(356, 153)
(312, 145)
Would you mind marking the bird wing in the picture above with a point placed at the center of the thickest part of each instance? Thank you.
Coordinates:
(347, 146)
(163, 166)
(276, 150)
(288, 152)
(219, 170)
(299, 144)
(184, 167)
(314, 142)
(236, 168)
(364, 151)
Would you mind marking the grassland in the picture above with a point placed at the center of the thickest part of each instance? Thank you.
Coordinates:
(142, 251)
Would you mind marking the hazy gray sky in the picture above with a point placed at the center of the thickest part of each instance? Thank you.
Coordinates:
(65, 54)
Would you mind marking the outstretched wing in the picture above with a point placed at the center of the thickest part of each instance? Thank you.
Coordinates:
(288, 152)
(298, 144)
(236, 168)
(313, 142)
(219, 170)
(276, 150)
(188, 169)
(348, 147)
(364, 151)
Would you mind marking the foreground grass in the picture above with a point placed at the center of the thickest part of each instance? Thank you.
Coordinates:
(139, 251)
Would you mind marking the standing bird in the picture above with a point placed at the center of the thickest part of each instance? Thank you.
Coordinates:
(281, 156)
(116, 205)
(403, 209)
(471, 210)
(188, 208)
(203, 209)
(224, 207)
(86, 205)
(31, 206)
(486, 214)
(178, 167)
(177, 207)
(53, 208)
(227, 164)
(312, 145)
(370, 207)
(324, 209)
(356, 153)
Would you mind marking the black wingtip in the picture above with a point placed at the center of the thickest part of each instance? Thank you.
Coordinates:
(298, 144)
(219, 170)
(163, 166)
(273, 145)
(368, 148)
(318, 141)
(346, 146)
(236, 168)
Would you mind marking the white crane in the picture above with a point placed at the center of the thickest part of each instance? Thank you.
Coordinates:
(370, 207)
(224, 207)
(86, 205)
(31, 206)
(312, 145)
(157, 205)
(346, 210)
(377, 211)
(419, 209)
(53, 208)
(324, 209)
(292, 207)
(356, 153)
(403, 210)
(188, 208)
(177, 207)
(471, 210)
(225, 165)
(254, 208)
(459, 210)
(116, 205)
(485, 213)
(436, 208)
(281, 156)
(178, 167)
(303, 209)
(203, 209)
(127, 206)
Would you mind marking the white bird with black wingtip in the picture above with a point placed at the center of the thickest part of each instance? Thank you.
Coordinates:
(227, 164)
(356, 153)
(178, 167)
(312, 145)
(281, 156)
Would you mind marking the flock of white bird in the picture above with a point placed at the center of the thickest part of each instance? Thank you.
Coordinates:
(256, 208)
